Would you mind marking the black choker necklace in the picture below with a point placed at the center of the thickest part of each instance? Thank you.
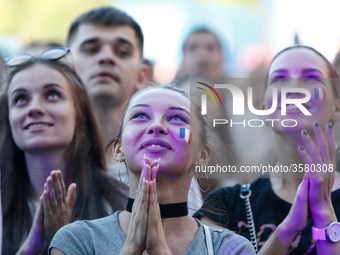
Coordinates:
(167, 210)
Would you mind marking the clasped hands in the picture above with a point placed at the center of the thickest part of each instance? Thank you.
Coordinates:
(313, 197)
(54, 211)
(145, 232)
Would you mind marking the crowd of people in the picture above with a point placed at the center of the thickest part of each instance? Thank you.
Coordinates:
(96, 158)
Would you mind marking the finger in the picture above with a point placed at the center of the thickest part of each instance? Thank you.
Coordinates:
(154, 172)
(147, 171)
(71, 196)
(313, 152)
(47, 204)
(62, 186)
(305, 156)
(322, 143)
(155, 162)
(330, 136)
(56, 186)
(40, 214)
(52, 197)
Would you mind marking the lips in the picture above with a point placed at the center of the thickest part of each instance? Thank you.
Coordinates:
(155, 143)
(34, 125)
(107, 74)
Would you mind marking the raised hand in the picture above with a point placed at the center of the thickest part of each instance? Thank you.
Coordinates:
(57, 204)
(145, 229)
(321, 159)
(54, 212)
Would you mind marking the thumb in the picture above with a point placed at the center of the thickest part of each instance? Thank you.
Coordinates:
(71, 195)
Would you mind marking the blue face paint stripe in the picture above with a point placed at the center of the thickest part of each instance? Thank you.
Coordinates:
(181, 132)
(316, 93)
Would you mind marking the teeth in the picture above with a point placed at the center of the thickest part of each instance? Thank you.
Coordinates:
(155, 146)
(40, 125)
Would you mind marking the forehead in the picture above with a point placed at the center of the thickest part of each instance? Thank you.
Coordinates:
(202, 38)
(161, 98)
(297, 59)
(107, 34)
(37, 76)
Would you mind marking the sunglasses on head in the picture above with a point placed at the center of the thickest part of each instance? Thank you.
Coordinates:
(50, 54)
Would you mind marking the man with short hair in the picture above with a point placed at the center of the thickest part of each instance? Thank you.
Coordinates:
(107, 49)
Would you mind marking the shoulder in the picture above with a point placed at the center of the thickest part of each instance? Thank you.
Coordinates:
(228, 242)
(80, 237)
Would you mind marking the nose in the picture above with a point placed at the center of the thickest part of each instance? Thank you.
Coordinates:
(35, 109)
(295, 82)
(107, 56)
(158, 127)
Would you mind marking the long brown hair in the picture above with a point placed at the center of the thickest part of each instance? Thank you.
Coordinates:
(84, 161)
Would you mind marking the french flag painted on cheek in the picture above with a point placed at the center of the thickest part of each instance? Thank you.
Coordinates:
(185, 134)
(319, 94)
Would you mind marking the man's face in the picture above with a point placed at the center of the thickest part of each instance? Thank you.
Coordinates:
(203, 56)
(108, 61)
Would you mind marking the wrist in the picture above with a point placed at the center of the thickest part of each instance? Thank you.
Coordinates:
(323, 216)
(286, 234)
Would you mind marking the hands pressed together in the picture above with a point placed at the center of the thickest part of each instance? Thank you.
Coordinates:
(145, 229)
(313, 197)
(54, 211)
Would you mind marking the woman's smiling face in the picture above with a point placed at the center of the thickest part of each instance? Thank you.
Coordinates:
(301, 68)
(41, 109)
(152, 126)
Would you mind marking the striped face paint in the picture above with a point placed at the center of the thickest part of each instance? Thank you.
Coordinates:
(185, 134)
(319, 94)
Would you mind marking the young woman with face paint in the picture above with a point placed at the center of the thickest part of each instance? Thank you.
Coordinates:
(46, 124)
(160, 139)
(287, 205)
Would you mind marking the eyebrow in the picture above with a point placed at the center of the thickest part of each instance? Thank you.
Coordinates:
(304, 71)
(96, 40)
(170, 108)
(310, 70)
(45, 87)
(279, 71)
(179, 108)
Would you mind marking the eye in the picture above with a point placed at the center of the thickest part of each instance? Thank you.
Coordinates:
(90, 49)
(20, 99)
(279, 79)
(140, 115)
(313, 78)
(123, 51)
(177, 117)
(53, 94)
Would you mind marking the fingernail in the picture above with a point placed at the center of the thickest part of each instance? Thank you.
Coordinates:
(301, 148)
(159, 159)
(329, 125)
(304, 132)
(316, 124)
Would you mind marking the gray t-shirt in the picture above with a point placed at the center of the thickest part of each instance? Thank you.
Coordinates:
(104, 236)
